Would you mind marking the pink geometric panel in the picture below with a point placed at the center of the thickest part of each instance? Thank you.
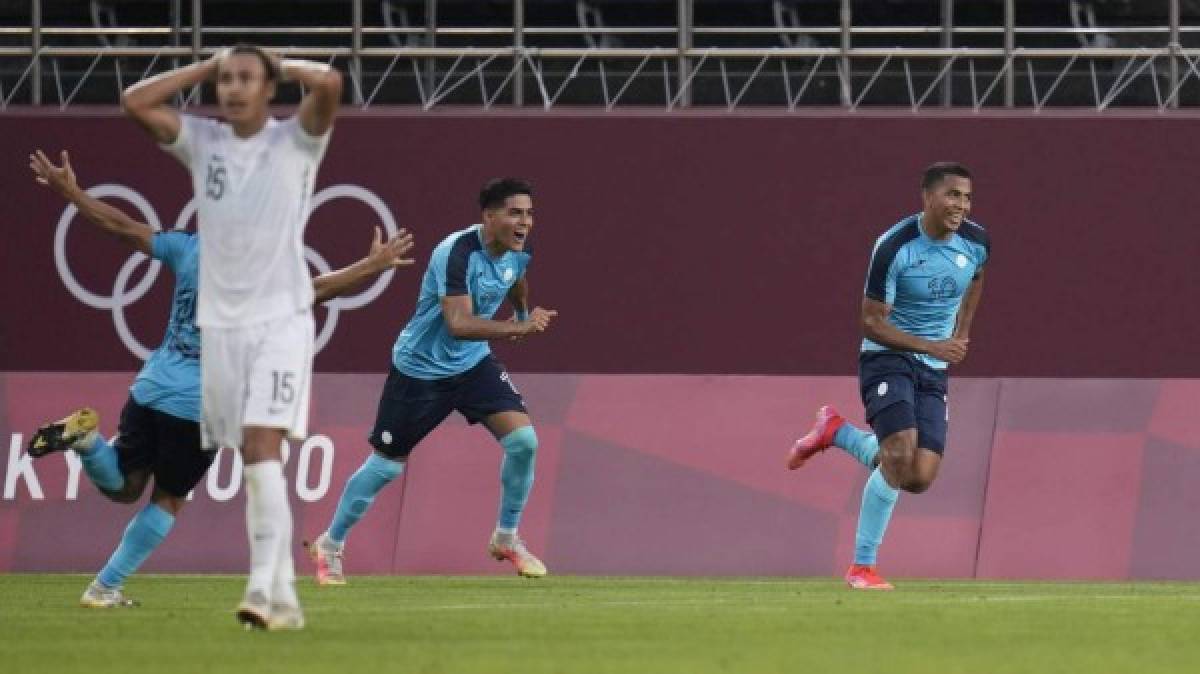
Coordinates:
(1061, 505)
(736, 428)
(1174, 417)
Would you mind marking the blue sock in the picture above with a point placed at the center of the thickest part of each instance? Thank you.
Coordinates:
(516, 475)
(863, 446)
(878, 500)
(361, 489)
(100, 464)
(146, 530)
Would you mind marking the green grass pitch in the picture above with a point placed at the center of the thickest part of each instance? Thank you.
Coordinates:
(590, 624)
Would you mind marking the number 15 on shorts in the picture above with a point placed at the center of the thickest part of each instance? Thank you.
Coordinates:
(283, 391)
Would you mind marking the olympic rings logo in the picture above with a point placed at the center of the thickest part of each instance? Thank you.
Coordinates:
(123, 296)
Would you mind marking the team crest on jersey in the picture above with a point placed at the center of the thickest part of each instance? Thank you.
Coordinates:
(508, 274)
(943, 287)
(961, 261)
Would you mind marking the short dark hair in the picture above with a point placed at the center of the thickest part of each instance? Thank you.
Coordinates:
(268, 63)
(938, 172)
(497, 190)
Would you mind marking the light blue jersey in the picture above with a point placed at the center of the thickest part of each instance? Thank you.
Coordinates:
(459, 265)
(170, 380)
(924, 279)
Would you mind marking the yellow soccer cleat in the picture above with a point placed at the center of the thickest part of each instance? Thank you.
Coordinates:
(75, 431)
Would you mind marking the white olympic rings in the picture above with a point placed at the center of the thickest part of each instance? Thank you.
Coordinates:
(122, 296)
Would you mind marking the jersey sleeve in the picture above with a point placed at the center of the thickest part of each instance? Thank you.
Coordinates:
(882, 274)
(313, 146)
(982, 242)
(185, 146)
(454, 263)
(170, 247)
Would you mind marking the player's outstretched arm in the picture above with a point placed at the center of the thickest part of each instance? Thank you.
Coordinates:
(875, 327)
(146, 101)
(966, 312)
(381, 257)
(464, 324)
(324, 86)
(61, 179)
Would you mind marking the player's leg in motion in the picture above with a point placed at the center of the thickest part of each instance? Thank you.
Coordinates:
(146, 529)
(409, 409)
(907, 407)
(515, 432)
(144, 533)
(150, 443)
(77, 432)
(878, 499)
(832, 430)
(364, 485)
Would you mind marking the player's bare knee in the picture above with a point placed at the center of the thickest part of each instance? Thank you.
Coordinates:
(896, 457)
(917, 485)
(262, 444)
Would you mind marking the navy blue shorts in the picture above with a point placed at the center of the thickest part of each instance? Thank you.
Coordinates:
(167, 446)
(900, 392)
(409, 408)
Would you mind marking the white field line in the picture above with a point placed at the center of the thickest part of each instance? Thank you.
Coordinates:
(766, 604)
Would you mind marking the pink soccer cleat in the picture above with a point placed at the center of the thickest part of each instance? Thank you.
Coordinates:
(816, 440)
(864, 577)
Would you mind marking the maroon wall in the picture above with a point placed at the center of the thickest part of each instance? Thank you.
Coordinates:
(687, 244)
(679, 475)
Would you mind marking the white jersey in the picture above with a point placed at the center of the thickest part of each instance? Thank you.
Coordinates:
(253, 198)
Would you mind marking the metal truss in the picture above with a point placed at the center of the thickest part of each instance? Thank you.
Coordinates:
(601, 75)
(791, 72)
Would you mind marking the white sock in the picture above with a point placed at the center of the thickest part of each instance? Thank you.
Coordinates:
(268, 523)
(283, 584)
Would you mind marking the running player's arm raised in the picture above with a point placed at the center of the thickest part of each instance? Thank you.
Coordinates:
(146, 101)
(61, 179)
(324, 86)
(380, 258)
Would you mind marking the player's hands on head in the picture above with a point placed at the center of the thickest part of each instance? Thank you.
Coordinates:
(953, 350)
(390, 254)
(59, 178)
(213, 64)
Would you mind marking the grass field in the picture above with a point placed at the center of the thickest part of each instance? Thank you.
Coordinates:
(589, 624)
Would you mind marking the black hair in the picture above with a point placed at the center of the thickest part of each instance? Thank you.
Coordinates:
(268, 64)
(497, 190)
(938, 172)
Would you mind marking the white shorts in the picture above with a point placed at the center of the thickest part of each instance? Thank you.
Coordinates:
(256, 376)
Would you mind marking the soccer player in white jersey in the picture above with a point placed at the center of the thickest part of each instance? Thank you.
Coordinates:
(158, 437)
(253, 177)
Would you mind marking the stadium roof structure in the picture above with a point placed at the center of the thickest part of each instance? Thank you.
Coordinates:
(785, 55)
